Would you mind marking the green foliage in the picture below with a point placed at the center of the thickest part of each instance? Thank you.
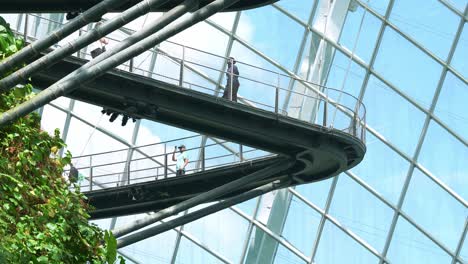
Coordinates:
(42, 220)
(8, 43)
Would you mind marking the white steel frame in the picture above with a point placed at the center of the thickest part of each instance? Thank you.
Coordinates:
(324, 212)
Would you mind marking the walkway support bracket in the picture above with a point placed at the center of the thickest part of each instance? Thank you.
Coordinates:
(190, 217)
(204, 197)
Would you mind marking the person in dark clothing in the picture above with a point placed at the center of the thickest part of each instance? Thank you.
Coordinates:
(73, 174)
(232, 85)
(102, 42)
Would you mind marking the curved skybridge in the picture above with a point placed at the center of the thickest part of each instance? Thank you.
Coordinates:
(305, 132)
(320, 132)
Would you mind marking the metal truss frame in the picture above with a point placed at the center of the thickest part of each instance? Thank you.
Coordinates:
(369, 72)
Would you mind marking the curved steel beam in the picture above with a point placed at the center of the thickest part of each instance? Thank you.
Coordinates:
(63, 6)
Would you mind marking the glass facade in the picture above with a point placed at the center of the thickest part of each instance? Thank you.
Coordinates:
(407, 200)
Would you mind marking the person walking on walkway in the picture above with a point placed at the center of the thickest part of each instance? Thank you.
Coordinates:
(181, 160)
(232, 85)
(101, 45)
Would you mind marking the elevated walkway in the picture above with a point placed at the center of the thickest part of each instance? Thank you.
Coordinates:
(64, 6)
(320, 152)
(325, 138)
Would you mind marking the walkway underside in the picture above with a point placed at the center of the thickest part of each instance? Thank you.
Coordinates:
(319, 153)
(63, 6)
(160, 194)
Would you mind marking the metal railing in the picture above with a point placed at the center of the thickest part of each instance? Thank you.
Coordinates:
(261, 88)
(154, 162)
(195, 69)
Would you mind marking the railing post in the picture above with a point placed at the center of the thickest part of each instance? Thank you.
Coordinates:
(130, 67)
(241, 153)
(277, 94)
(128, 169)
(354, 124)
(182, 63)
(232, 79)
(90, 173)
(165, 161)
(363, 129)
(203, 158)
(26, 22)
(325, 113)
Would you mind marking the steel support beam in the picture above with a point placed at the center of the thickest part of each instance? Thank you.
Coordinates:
(99, 32)
(207, 196)
(87, 74)
(37, 47)
(190, 217)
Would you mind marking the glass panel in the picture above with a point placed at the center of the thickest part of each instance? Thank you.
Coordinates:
(156, 249)
(224, 19)
(152, 132)
(270, 26)
(256, 84)
(451, 105)
(424, 198)
(367, 34)
(204, 37)
(407, 67)
(284, 256)
(93, 115)
(64, 102)
(421, 20)
(52, 118)
(341, 79)
(460, 64)
(78, 135)
(464, 251)
(379, 5)
(301, 226)
(445, 157)
(300, 9)
(337, 247)
(261, 247)
(102, 223)
(458, 4)
(411, 246)
(248, 206)
(361, 212)
(222, 232)
(191, 253)
(393, 116)
(383, 169)
(316, 192)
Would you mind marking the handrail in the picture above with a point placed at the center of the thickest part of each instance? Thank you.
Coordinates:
(138, 178)
(321, 95)
(126, 30)
(358, 118)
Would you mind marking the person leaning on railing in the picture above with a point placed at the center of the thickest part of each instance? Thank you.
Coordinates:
(232, 75)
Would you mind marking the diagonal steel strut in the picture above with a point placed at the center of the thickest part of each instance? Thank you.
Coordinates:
(93, 35)
(88, 74)
(190, 217)
(35, 48)
(204, 197)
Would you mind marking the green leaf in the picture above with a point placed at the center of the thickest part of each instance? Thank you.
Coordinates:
(111, 245)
